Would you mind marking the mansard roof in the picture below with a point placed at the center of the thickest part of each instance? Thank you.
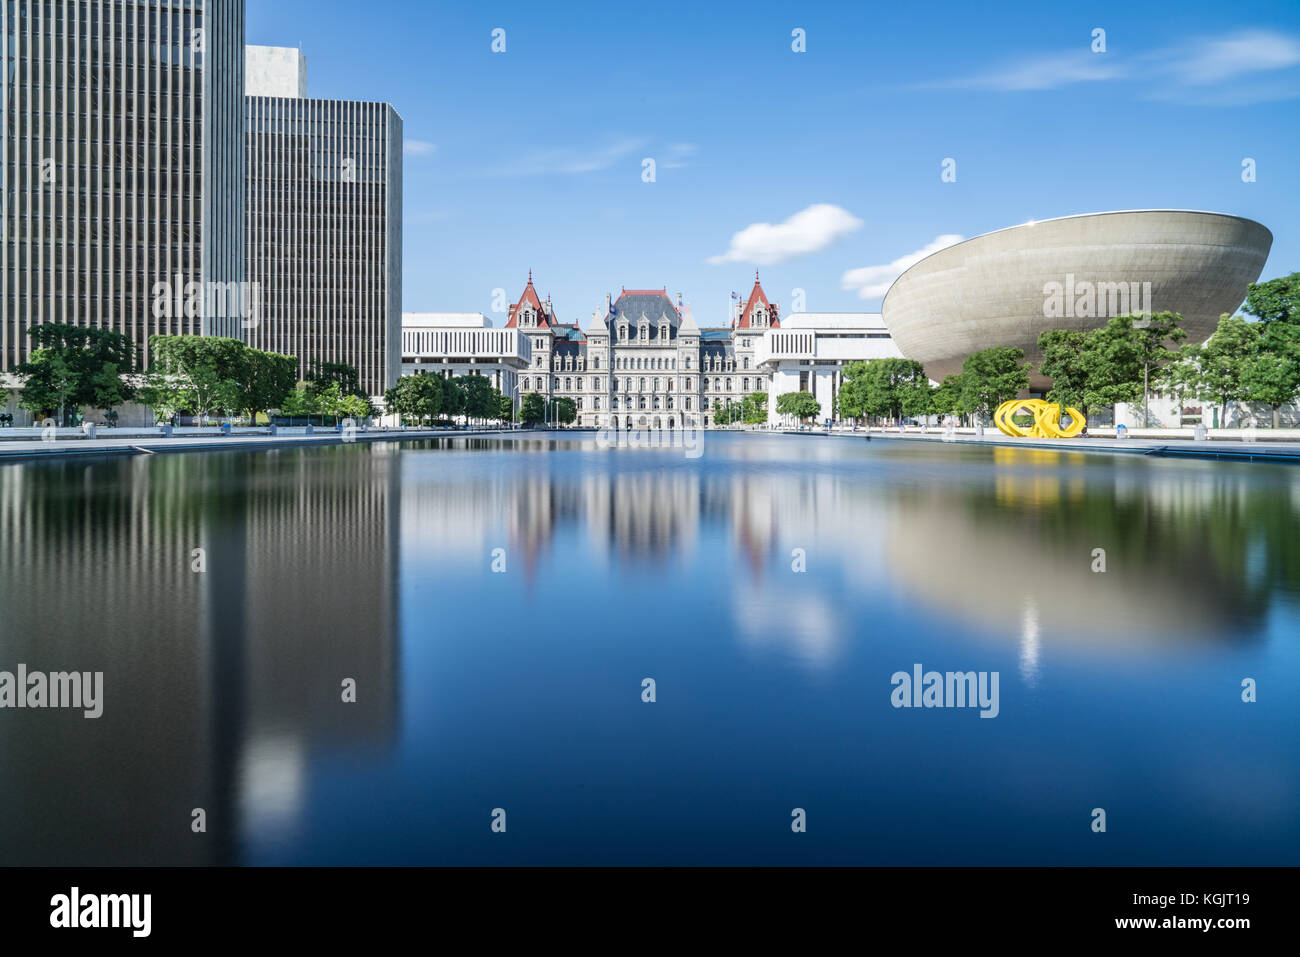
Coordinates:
(569, 334)
(654, 305)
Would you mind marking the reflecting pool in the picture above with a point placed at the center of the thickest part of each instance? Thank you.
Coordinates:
(497, 604)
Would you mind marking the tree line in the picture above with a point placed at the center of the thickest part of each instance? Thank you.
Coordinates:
(72, 367)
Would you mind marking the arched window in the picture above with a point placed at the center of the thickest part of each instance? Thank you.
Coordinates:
(728, 385)
(746, 362)
(642, 385)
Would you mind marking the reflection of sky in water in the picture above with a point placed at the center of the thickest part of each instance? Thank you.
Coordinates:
(522, 690)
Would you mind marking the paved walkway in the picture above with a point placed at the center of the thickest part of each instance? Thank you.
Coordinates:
(1170, 447)
(70, 442)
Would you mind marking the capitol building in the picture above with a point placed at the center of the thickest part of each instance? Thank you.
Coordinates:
(643, 362)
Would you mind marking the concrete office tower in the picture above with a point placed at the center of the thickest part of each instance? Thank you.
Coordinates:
(324, 232)
(121, 173)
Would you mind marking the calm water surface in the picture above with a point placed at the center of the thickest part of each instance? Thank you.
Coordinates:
(521, 689)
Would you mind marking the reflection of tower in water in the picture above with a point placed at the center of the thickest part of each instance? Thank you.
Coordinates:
(217, 684)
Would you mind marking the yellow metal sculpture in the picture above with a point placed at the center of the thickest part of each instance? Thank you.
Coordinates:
(1047, 419)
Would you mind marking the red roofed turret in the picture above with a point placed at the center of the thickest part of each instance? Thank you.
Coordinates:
(758, 313)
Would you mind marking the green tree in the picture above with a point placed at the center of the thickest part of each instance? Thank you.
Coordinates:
(1112, 371)
(532, 409)
(991, 377)
(355, 407)
(754, 408)
(415, 397)
(946, 398)
(479, 397)
(1152, 337)
(564, 410)
(321, 374)
(1275, 300)
(728, 413)
(1271, 373)
(1065, 363)
(265, 380)
(852, 399)
(801, 405)
(329, 400)
(1221, 362)
(107, 389)
(301, 402)
(505, 407)
(50, 385)
(196, 373)
(73, 366)
(1180, 378)
(453, 395)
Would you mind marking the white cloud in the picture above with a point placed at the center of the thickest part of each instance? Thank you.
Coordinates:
(807, 231)
(676, 154)
(418, 148)
(1247, 51)
(1048, 73)
(567, 161)
(1178, 71)
(872, 282)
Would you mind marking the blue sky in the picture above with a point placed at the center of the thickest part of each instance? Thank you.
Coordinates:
(533, 158)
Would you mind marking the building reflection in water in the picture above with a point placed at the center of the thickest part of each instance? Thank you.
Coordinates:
(1002, 539)
(219, 685)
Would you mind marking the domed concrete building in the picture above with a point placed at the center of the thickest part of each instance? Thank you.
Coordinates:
(1077, 272)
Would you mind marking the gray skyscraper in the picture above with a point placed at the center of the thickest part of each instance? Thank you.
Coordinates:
(122, 172)
(324, 222)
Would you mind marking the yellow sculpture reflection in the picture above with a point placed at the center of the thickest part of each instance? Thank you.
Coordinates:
(1047, 419)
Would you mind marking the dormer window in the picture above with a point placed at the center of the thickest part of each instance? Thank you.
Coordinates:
(622, 331)
(663, 330)
(645, 332)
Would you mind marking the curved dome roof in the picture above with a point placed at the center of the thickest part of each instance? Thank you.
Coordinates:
(997, 289)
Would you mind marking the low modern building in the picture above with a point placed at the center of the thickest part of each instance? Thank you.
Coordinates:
(324, 224)
(810, 350)
(464, 343)
(1077, 272)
